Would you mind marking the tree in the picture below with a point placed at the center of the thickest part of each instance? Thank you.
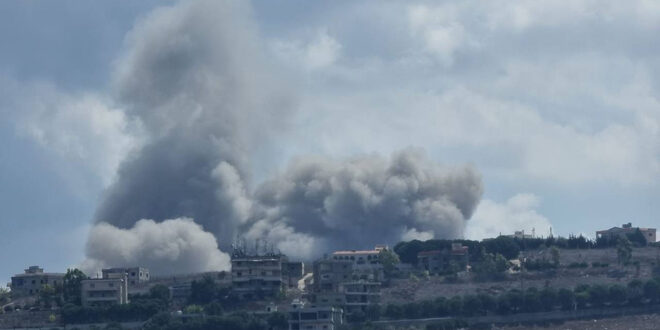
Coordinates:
(159, 292)
(598, 295)
(47, 295)
(204, 291)
(394, 311)
(72, 285)
(214, 308)
(278, 321)
(635, 292)
(5, 295)
(623, 250)
(617, 294)
(389, 260)
(532, 302)
(471, 305)
(652, 290)
(554, 252)
(548, 298)
(566, 299)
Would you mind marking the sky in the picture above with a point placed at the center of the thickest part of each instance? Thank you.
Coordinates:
(554, 104)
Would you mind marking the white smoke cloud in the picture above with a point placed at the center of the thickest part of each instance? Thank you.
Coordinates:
(175, 245)
(518, 213)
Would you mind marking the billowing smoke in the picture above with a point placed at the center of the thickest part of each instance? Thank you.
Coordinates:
(322, 204)
(192, 76)
(176, 245)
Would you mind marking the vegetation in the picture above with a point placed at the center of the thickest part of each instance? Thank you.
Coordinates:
(530, 300)
(71, 287)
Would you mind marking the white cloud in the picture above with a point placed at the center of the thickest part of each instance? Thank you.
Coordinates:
(518, 213)
(320, 52)
(80, 128)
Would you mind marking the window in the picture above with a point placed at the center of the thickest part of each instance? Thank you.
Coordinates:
(133, 274)
(111, 284)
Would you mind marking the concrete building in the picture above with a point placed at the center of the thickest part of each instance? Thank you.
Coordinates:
(625, 229)
(441, 261)
(360, 294)
(293, 272)
(338, 284)
(257, 275)
(105, 291)
(313, 317)
(361, 259)
(32, 280)
(136, 275)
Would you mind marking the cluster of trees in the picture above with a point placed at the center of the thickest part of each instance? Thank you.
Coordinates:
(531, 300)
(510, 247)
(140, 308)
(234, 321)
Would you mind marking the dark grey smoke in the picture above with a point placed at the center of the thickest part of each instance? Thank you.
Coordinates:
(192, 76)
(323, 204)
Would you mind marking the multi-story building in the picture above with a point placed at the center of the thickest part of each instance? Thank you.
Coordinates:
(293, 272)
(338, 284)
(110, 290)
(625, 229)
(31, 282)
(361, 294)
(440, 261)
(257, 275)
(361, 259)
(136, 275)
(302, 317)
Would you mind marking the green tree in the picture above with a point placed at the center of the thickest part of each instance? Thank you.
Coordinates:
(548, 298)
(159, 292)
(394, 312)
(193, 309)
(566, 299)
(278, 321)
(582, 299)
(72, 284)
(488, 302)
(471, 305)
(214, 308)
(204, 291)
(617, 294)
(47, 294)
(5, 296)
(532, 301)
(652, 290)
(623, 250)
(598, 295)
(389, 259)
(554, 252)
(635, 292)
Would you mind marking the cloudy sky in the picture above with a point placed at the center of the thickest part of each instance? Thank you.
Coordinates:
(553, 104)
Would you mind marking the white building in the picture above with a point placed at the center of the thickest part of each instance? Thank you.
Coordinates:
(136, 275)
(361, 259)
(110, 290)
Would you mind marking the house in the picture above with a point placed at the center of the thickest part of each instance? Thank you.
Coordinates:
(625, 229)
(112, 289)
(440, 261)
(313, 317)
(257, 275)
(136, 275)
(361, 259)
(337, 283)
(31, 282)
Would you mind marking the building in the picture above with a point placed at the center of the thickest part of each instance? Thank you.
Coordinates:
(254, 276)
(314, 317)
(440, 261)
(625, 229)
(110, 290)
(31, 282)
(136, 275)
(293, 272)
(361, 259)
(337, 283)
(360, 294)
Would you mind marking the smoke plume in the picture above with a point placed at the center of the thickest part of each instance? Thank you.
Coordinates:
(192, 76)
(322, 204)
(176, 245)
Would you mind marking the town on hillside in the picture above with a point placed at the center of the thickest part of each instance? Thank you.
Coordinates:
(499, 282)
